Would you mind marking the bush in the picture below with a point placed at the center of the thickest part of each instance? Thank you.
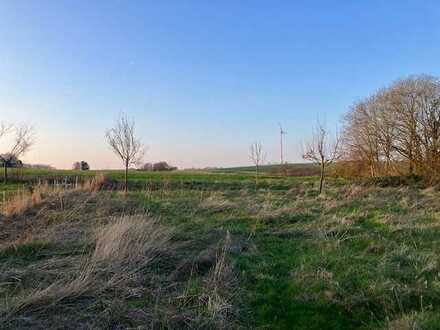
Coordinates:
(350, 169)
(146, 167)
(163, 166)
(160, 166)
(81, 166)
(395, 181)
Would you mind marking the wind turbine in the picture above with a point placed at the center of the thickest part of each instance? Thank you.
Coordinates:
(282, 133)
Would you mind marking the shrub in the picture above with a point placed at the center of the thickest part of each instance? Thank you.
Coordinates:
(163, 166)
(81, 166)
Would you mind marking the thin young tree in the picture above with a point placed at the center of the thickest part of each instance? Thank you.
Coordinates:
(21, 143)
(323, 150)
(257, 156)
(124, 143)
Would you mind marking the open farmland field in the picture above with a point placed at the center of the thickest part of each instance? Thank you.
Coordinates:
(202, 108)
(196, 250)
(141, 180)
(304, 170)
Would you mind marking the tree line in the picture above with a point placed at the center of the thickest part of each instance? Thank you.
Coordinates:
(395, 131)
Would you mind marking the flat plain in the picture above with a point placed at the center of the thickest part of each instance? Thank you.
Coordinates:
(209, 249)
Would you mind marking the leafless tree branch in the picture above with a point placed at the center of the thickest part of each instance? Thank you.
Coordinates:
(258, 157)
(125, 144)
(22, 142)
(322, 150)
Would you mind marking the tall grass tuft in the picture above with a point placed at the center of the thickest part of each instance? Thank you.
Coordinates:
(24, 200)
(122, 248)
(217, 288)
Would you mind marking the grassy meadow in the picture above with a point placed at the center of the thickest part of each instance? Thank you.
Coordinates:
(207, 250)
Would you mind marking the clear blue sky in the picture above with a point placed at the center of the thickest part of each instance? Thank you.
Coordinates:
(203, 79)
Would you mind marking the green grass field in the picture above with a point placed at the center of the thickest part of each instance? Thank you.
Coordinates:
(216, 179)
(276, 257)
(305, 169)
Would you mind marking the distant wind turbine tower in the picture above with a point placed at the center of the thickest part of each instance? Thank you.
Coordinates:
(282, 133)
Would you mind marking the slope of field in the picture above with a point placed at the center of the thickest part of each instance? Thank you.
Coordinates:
(305, 169)
(221, 254)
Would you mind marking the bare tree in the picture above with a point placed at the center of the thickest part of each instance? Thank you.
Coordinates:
(257, 156)
(397, 130)
(21, 143)
(361, 139)
(322, 150)
(123, 141)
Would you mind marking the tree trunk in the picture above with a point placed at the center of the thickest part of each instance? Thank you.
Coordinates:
(372, 171)
(5, 167)
(256, 177)
(321, 180)
(411, 159)
(126, 178)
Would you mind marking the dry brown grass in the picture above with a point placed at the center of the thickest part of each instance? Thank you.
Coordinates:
(406, 322)
(73, 260)
(129, 242)
(94, 184)
(213, 298)
(216, 202)
(219, 281)
(24, 200)
(123, 247)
